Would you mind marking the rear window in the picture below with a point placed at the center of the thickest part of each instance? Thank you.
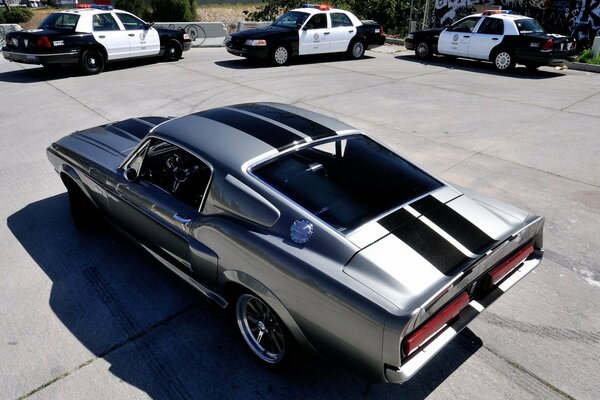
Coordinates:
(529, 26)
(346, 182)
(60, 21)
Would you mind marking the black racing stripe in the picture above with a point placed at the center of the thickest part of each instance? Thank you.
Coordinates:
(457, 226)
(431, 246)
(295, 121)
(267, 132)
(134, 127)
(396, 219)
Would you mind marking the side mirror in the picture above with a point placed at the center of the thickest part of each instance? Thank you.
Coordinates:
(307, 27)
(148, 25)
(130, 174)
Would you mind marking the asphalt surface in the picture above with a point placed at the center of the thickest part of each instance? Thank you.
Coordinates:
(88, 315)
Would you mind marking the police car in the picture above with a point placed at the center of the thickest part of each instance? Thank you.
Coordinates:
(311, 29)
(498, 36)
(91, 36)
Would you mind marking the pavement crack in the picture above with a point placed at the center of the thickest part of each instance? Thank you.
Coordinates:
(128, 340)
(524, 370)
(78, 102)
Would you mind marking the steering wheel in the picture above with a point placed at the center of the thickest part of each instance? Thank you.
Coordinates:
(180, 175)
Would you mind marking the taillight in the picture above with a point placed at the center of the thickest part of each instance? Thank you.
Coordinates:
(420, 336)
(498, 273)
(382, 31)
(43, 42)
(549, 45)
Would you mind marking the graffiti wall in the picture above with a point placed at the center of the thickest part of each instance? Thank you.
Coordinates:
(580, 18)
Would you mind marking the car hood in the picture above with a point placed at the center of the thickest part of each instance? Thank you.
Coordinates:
(422, 246)
(261, 33)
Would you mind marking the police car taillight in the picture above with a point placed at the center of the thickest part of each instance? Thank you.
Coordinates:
(549, 45)
(43, 42)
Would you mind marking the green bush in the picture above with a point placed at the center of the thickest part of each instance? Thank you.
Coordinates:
(588, 57)
(15, 16)
(160, 10)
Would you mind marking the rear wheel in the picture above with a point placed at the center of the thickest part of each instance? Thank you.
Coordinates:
(173, 51)
(92, 62)
(357, 49)
(503, 60)
(262, 330)
(280, 55)
(423, 50)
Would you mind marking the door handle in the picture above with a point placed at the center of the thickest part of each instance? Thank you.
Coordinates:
(466, 36)
(101, 36)
(326, 33)
(351, 31)
(179, 218)
(132, 34)
(494, 38)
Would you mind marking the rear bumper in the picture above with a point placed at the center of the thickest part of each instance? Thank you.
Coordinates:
(552, 59)
(187, 44)
(71, 57)
(416, 362)
(408, 43)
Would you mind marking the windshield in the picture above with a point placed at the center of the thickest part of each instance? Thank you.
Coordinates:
(60, 21)
(292, 20)
(346, 182)
(529, 26)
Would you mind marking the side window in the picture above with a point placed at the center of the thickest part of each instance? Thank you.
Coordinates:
(492, 26)
(340, 19)
(318, 21)
(465, 25)
(104, 22)
(175, 171)
(130, 22)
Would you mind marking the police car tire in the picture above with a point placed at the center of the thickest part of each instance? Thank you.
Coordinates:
(357, 49)
(503, 60)
(280, 55)
(173, 50)
(92, 62)
(422, 50)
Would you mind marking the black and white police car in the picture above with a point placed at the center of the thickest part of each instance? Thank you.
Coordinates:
(90, 36)
(498, 36)
(311, 29)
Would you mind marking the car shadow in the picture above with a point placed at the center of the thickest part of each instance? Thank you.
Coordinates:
(481, 67)
(160, 336)
(40, 74)
(244, 63)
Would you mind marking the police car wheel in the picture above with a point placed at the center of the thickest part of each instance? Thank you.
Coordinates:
(504, 60)
(280, 55)
(173, 51)
(422, 50)
(92, 62)
(357, 49)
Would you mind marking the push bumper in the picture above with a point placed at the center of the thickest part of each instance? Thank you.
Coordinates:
(415, 363)
(248, 51)
(408, 43)
(71, 57)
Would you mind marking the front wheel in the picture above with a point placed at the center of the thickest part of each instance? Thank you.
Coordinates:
(280, 55)
(423, 50)
(173, 51)
(263, 332)
(92, 62)
(504, 60)
(357, 49)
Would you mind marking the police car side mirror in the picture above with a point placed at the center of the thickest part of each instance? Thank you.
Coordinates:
(148, 25)
(307, 27)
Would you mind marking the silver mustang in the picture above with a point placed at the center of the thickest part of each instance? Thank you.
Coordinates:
(319, 237)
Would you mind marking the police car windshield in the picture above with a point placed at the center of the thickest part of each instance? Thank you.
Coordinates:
(60, 21)
(291, 20)
(529, 26)
(346, 182)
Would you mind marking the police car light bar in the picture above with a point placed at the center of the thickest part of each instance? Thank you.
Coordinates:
(491, 12)
(96, 6)
(322, 7)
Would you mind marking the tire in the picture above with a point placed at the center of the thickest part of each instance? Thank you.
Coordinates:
(173, 51)
(357, 49)
(503, 60)
(263, 332)
(423, 50)
(92, 62)
(280, 55)
(85, 215)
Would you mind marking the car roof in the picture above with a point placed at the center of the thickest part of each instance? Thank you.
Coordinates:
(235, 135)
(502, 16)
